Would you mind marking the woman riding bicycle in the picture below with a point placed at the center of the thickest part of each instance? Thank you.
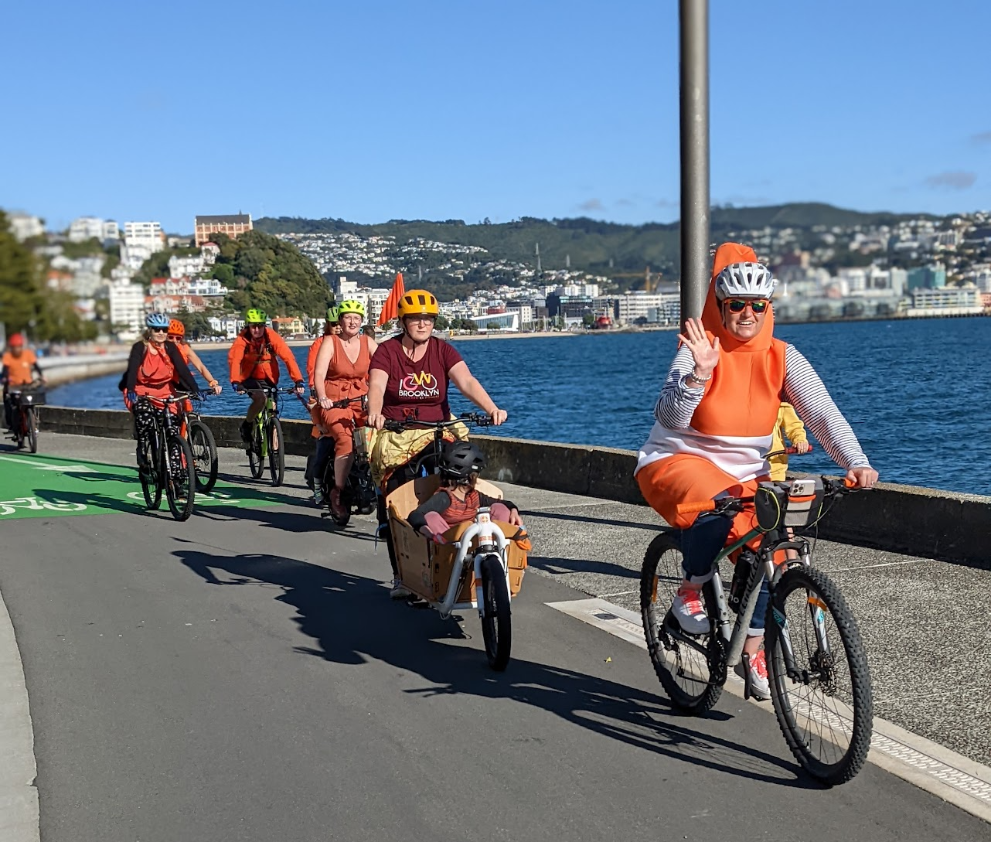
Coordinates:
(254, 364)
(177, 336)
(154, 367)
(341, 373)
(714, 422)
(408, 380)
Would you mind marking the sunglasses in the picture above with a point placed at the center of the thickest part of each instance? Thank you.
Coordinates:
(738, 305)
(159, 330)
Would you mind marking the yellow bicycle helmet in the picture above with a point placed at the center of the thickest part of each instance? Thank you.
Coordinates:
(256, 317)
(351, 306)
(418, 302)
(332, 315)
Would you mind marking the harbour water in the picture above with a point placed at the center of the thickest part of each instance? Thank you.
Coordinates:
(917, 392)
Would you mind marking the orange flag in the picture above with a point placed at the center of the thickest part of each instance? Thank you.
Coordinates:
(390, 310)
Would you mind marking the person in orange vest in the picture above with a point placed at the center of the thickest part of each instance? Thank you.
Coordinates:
(19, 368)
(714, 422)
(177, 336)
(254, 363)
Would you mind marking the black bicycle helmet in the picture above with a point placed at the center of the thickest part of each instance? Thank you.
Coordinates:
(461, 458)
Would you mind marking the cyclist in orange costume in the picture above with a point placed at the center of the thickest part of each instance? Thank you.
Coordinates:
(19, 368)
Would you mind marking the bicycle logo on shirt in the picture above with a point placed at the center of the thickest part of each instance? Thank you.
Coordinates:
(422, 385)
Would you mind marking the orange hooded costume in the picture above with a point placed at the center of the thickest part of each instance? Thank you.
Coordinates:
(731, 428)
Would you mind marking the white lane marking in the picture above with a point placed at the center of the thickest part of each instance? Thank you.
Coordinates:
(919, 761)
(19, 814)
(40, 466)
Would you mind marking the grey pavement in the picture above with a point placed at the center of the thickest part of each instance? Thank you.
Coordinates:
(243, 676)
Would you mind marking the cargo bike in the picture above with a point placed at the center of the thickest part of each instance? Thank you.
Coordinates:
(480, 566)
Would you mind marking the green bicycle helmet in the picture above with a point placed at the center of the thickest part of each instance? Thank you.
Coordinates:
(256, 317)
(332, 315)
(351, 306)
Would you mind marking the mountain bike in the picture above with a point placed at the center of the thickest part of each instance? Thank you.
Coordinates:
(26, 400)
(358, 494)
(266, 436)
(165, 460)
(817, 668)
(202, 444)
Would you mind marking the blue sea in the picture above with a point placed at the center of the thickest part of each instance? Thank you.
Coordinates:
(917, 392)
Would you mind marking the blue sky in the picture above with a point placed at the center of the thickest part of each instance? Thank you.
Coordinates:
(440, 109)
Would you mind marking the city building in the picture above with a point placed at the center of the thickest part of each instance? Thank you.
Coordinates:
(233, 226)
(651, 308)
(227, 326)
(524, 312)
(927, 277)
(86, 228)
(191, 266)
(23, 226)
(947, 300)
(127, 309)
(289, 325)
(141, 241)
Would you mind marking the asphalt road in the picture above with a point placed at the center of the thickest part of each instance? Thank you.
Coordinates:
(244, 676)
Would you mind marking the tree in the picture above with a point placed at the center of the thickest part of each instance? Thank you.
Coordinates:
(197, 324)
(441, 323)
(21, 296)
(588, 319)
(493, 326)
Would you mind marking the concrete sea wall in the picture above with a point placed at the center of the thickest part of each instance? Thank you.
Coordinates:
(899, 518)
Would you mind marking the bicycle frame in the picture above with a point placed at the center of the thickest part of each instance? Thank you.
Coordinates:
(491, 542)
(735, 634)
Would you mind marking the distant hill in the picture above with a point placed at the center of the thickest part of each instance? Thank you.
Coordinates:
(591, 245)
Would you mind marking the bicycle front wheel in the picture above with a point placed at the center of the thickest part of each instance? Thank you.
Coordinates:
(688, 666)
(825, 707)
(148, 468)
(256, 459)
(204, 455)
(497, 629)
(180, 478)
(30, 422)
(276, 452)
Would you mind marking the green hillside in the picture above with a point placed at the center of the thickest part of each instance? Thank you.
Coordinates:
(592, 245)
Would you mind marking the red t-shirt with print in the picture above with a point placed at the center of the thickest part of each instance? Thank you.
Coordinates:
(417, 390)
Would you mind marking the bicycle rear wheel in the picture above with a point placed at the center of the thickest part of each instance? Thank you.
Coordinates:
(148, 468)
(180, 478)
(497, 629)
(31, 431)
(688, 666)
(255, 452)
(276, 452)
(204, 455)
(826, 710)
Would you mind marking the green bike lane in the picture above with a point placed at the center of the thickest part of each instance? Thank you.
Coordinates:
(44, 486)
(243, 675)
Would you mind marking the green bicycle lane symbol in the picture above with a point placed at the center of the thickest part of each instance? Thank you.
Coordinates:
(43, 486)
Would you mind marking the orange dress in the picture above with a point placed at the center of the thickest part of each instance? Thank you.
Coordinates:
(739, 407)
(345, 379)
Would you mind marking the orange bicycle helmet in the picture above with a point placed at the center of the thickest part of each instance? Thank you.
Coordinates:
(177, 328)
(418, 302)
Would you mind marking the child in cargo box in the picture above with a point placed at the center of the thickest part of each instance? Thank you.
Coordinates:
(457, 501)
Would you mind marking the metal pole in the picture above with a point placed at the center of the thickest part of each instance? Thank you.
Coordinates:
(694, 76)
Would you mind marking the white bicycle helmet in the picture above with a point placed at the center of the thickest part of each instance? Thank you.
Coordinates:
(745, 280)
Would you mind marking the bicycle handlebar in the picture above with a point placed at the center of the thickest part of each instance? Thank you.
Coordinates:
(268, 390)
(788, 451)
(726, 505)
(477, 418)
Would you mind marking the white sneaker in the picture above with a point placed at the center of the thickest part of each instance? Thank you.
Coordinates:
(399, 591)
(689, 611)
(760, 687)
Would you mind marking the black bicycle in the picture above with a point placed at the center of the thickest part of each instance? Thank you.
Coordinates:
(165, 459)
(25, 401)
(202, 443)
(817, 667)
(358, 494)
(266, 445)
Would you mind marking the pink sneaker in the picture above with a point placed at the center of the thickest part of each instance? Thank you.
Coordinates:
(689, 611)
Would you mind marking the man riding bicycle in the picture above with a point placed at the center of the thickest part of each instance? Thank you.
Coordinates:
(254, 364)
(19, 368)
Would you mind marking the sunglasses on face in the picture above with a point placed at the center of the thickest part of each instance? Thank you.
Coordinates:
(159, 330)
(738, 305)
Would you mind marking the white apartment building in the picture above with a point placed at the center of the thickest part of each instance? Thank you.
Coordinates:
(346, 289)
(187, 267)
(86, 228)
(229, 326)
(127, 309)
(141, 241)
(23, 226)
(582, 290)
(653, 307)
(966, 298)
(524, 310)
(111, 231)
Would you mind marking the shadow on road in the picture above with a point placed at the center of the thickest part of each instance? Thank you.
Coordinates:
(352, 621)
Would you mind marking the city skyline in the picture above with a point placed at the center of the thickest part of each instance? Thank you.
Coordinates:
(455, 112)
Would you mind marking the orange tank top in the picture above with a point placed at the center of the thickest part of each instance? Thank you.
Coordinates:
(155, 375)
(346, 379)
